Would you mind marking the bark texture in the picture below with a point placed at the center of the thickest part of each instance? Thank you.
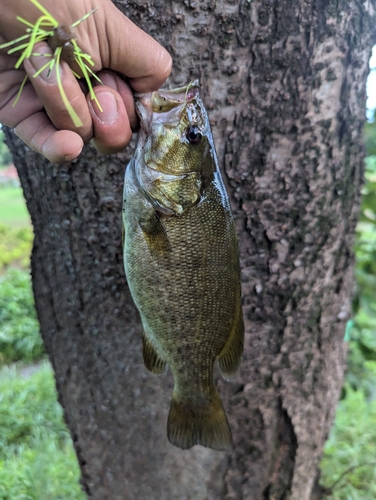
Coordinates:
(284, 83)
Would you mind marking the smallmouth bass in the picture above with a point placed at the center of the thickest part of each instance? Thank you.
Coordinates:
(182, 263)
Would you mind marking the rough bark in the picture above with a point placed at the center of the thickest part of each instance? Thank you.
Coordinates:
(284, 82)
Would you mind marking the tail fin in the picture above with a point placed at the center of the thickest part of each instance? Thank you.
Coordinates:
(188, 425)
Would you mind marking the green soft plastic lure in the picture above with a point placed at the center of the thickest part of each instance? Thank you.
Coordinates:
(64, 47)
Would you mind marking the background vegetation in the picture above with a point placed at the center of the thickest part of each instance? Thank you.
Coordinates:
(37, 460)
(351, 446)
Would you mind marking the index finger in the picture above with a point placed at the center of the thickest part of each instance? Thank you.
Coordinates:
(132, 52)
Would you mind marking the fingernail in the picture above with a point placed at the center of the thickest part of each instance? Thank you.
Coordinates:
(109, 80)
(109, 105)
(39, 59)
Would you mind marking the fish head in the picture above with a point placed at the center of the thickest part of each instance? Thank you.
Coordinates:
(175, 147)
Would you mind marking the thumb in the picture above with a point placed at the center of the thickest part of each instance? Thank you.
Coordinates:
(132, 52)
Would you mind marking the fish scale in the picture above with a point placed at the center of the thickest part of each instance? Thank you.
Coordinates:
(182, 265)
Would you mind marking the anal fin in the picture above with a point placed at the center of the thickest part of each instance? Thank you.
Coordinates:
(152, 360)
(230, 357)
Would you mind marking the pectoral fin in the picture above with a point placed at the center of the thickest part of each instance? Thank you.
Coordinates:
(230, 356)
(152, 360)
(155, 235)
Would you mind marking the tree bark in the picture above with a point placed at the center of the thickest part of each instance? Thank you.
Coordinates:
(284, 84)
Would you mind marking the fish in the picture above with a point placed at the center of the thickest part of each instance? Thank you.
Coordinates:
(181, 261)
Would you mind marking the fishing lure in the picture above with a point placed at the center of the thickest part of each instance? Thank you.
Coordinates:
(64, 47)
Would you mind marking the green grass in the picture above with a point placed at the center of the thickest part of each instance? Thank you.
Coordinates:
(13, 211)
(19, 329)
(37, 460)
(351, 443)
(15, 247)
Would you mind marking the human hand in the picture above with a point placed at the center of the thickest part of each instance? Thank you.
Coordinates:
(40, 117)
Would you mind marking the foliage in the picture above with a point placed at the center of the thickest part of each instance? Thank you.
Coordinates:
(361, 371)
(15, 247)
(5, 154)
(370, 135)
(37, 459)
(19, 329)
(353, 436)
(352, 443)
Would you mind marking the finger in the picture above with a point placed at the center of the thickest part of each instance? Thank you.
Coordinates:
(56, 98)
(41, 136)
(10, 81)
(116, 82)
(12, 113)
(134, 53)
(112, 128)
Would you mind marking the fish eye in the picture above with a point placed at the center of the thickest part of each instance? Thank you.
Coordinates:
(193, 134)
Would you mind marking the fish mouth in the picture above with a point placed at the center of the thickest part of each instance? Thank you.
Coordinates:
(153, 106)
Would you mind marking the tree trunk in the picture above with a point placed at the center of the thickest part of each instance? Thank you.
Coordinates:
(284, 84)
